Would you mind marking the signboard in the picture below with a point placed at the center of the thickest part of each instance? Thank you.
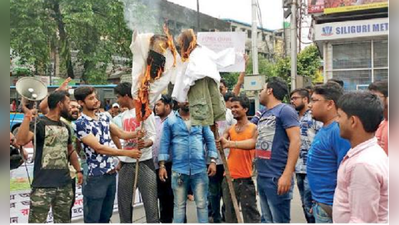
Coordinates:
(315, 6)
(334, 6)
(218, 41)
(254, 82)
(352, 29)
(57, 81)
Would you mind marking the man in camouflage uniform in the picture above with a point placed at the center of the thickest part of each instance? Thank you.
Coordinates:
(51, 186)
(74, 113)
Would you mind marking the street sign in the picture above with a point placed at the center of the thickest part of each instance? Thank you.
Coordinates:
(254, 82)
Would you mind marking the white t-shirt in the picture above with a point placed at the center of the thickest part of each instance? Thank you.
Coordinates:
(130, 123)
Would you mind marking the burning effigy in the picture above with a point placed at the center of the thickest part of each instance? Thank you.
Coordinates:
(154, 61)
(198, 79)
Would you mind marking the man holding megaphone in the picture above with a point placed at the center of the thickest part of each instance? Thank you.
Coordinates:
(51, 184)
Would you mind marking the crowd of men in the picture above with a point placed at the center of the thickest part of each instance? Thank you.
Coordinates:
(334, 144)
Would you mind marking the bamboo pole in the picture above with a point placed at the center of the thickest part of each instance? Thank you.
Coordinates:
(228, 176)
(136, 173)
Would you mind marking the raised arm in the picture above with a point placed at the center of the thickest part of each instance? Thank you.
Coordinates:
(24, 135)
(240, 81)
(43, 106)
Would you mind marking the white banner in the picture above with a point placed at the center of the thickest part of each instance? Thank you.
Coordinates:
(352, 29)
(218, 41)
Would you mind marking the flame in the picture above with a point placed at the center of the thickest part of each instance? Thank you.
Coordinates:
(162, 46)
(170, 43)
(141, 103)
(185, 55)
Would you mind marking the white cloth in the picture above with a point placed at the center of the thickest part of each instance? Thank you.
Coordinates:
(140, 46)
(130, 123)
(202, 63)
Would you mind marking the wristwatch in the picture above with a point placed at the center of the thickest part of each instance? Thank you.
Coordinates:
(161, 165)
(80, 171)
(213, 160)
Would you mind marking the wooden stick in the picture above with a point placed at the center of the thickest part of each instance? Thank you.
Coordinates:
(228, 176)
(136, 174)
(135, 182)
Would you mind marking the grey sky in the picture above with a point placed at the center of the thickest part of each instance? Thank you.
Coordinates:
(272, 11)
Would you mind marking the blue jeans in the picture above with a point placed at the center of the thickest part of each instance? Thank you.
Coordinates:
(306, 196)
(98, 198)
(199, 184)
(275, 208)
(320, 215)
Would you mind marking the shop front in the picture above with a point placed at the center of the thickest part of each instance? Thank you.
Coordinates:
(354, 51)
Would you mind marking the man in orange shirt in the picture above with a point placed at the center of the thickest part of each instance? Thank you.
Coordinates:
(380, 88)
(240, 164)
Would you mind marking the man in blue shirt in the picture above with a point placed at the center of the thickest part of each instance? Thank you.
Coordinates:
(327, 150)
(300, 100)
(277, 143)
(188, 161)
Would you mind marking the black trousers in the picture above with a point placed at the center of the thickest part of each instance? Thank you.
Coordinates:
(165, 196)
(246, 197)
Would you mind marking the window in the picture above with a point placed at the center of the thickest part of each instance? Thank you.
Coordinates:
(359, 63)
(354, 55)
(249, 34)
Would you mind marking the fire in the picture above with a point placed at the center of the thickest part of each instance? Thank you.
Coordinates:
(188, 42)
(153, 71)
(170, 43)
(162, 47)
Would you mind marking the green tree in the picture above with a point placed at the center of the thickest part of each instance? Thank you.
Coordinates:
(308, 64)
(32, 32)
(95, 30)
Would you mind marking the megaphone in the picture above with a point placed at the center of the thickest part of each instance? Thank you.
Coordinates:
(31, 89)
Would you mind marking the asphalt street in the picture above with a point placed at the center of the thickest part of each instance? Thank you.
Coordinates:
(139, 213)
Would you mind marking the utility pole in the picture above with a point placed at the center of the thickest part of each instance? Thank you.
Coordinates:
(254, 40)
(299, 22)
(254, 32)
(293, 45)
(198, 17)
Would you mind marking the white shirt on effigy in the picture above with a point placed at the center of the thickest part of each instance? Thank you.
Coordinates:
(202, 63)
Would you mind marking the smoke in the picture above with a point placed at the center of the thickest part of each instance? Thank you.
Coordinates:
(140, 17)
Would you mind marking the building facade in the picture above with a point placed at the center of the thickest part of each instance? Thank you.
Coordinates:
(266, 38)
(354, 46)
